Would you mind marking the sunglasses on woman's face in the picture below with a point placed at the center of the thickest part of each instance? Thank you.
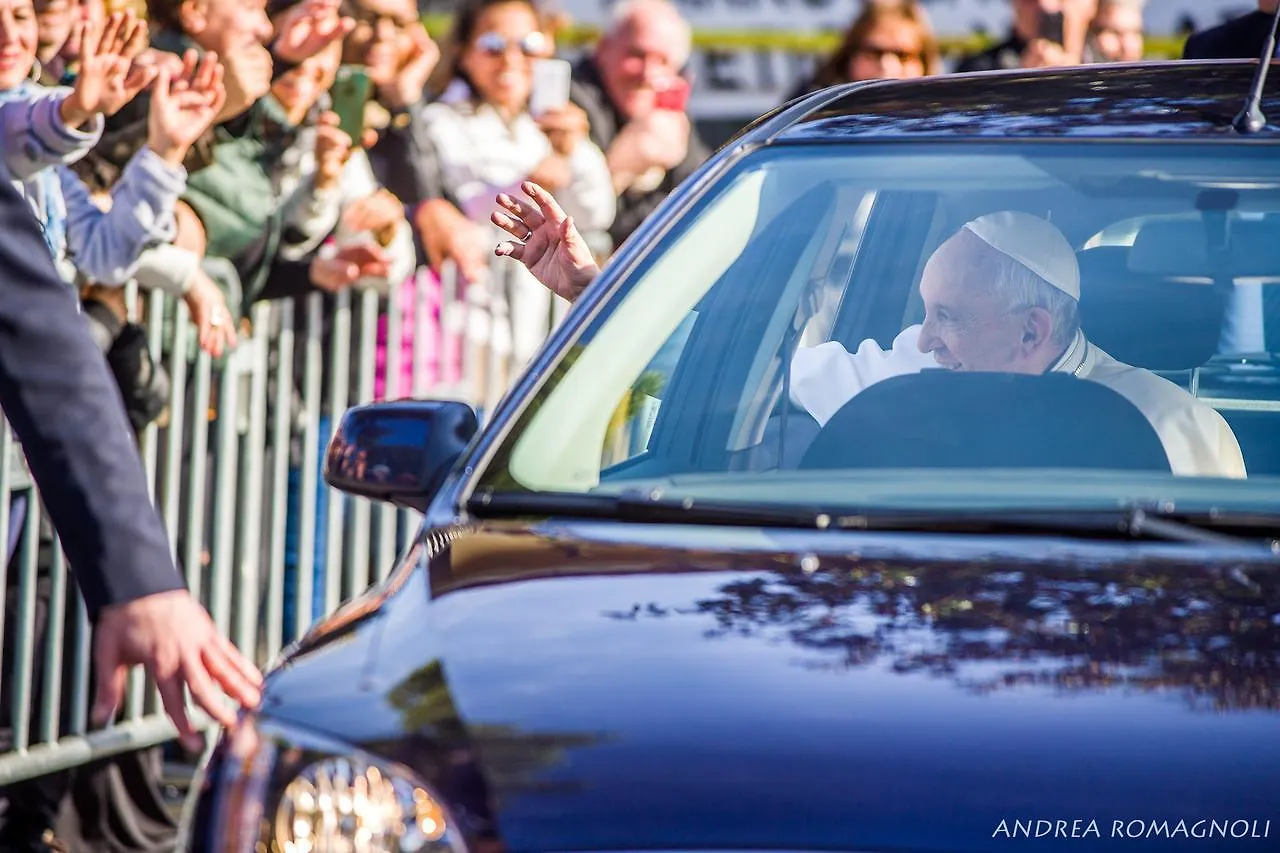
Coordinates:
(904, 57)
(496, 44)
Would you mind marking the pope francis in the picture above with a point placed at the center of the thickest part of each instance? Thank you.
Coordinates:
(1001, 294)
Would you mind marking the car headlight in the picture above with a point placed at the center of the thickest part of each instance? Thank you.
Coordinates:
(273, 789)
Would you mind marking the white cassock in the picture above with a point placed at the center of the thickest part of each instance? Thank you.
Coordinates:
(1196, 438)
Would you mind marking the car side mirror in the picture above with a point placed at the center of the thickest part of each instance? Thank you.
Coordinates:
(399, 452)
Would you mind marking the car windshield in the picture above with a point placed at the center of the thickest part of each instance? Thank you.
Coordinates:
(933, 325)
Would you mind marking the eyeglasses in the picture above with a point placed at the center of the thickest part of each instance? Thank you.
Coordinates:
(496, 44)
(905, 57)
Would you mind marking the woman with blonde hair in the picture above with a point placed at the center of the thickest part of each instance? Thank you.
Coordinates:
(889, 39)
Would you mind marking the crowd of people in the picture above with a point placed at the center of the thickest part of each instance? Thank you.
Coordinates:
(195, 149)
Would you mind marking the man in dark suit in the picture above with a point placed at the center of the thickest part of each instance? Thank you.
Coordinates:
(1240, 38)
(57, 392)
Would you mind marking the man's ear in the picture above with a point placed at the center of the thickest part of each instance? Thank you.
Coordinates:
(1036, 329)
(193, 16)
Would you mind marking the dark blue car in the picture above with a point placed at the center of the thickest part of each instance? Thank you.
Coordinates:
(909, 482)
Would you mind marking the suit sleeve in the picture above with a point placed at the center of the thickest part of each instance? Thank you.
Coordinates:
(64, 406)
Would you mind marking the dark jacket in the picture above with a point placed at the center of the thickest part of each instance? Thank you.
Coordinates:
(1004, 56)
(1239, 38)
(57, 392)
(587, 91)
(404, 160)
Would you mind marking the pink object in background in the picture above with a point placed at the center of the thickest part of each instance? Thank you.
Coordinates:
(424, 281)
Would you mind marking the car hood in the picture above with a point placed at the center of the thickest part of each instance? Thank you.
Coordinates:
(668, 689)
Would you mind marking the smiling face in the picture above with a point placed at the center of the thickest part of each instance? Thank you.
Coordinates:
(380, 40)
(498, 59)
(970, 324)
(18, 39)
(893, 49)
(641, 56)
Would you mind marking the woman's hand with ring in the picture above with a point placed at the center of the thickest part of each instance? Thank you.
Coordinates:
(208, 309)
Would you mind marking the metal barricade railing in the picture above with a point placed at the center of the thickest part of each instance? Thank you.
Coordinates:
(234, 466)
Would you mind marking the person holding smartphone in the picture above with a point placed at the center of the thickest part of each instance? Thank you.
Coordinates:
(635, 96)
(1045, 33)
(488, 140)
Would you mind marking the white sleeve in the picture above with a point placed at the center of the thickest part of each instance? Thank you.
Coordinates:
(825, 377)
(166, 268)
(456, 161)
(34, 137)
(589, 199)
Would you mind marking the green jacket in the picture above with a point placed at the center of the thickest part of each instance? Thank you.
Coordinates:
(233, 192)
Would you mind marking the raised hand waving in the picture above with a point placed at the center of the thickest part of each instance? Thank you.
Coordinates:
(550, 246)
(184, 105)
(108, 77)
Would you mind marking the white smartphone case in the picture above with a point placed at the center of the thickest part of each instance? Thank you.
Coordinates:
(550, 85)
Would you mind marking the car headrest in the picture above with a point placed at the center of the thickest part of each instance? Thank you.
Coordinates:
(1156, 322)
(946, 419)
(1181, 248)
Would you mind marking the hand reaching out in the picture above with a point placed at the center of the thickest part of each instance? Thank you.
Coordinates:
(207, 306)
(448, 235)
(183, 106)
(551, 246)
(308, 28)
(348, 265)
(380, 214)
(176, 642)
(108, 78)
(410, 80)
(333, 147)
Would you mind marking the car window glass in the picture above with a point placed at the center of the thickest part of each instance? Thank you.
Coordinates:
(817, 255)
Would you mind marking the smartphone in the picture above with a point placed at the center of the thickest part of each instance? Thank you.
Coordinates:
(1051, 27)
(674, 97)
(550, 85)
(349, 95)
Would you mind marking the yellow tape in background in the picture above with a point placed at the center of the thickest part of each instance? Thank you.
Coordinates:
(1158, 47)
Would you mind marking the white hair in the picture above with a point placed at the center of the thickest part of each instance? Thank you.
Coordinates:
(1013, 284)
(625, 12)
(1018, 287)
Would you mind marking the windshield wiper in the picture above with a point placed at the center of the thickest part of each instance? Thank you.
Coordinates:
(642, 507)
(1123, 523)
(1131, 522)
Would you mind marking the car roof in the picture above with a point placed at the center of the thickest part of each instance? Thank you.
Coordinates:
(1156, 100)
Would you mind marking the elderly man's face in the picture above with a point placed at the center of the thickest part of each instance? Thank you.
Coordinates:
(640, 58)
(967, 326)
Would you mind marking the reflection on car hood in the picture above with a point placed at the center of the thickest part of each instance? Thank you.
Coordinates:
(733, 690)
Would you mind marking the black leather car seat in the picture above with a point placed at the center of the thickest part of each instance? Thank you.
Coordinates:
(1156, 322)
(943, 419)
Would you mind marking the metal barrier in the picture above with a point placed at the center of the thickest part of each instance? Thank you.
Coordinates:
(235, 470)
